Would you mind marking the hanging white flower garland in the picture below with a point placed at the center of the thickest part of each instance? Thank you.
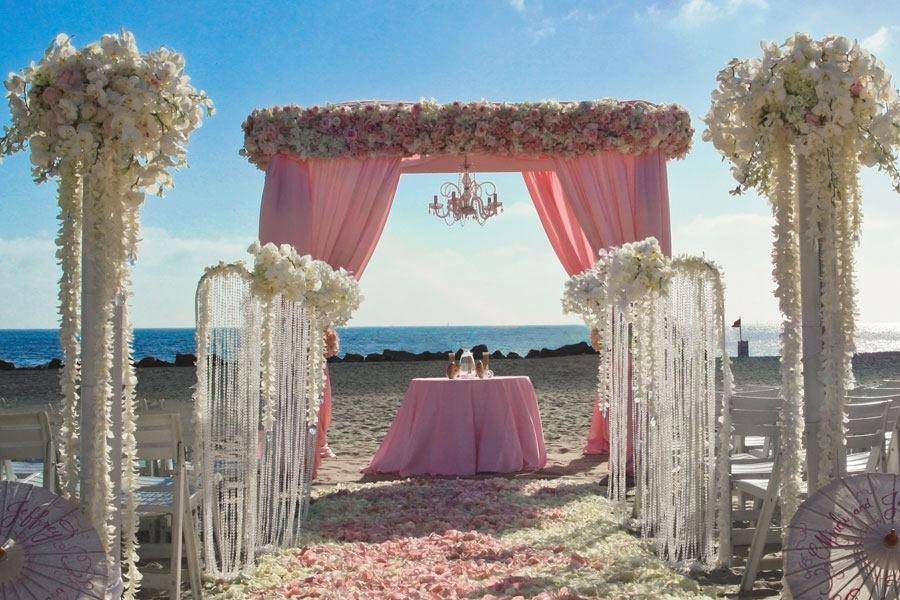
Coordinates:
(272, 328)
(810, 110)
(110, 123)
(648, 311)
(280, 271)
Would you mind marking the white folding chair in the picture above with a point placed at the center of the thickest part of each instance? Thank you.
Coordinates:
(27, 437)
(159, 438)
(891, 455)
(865, 442)
(747, 411)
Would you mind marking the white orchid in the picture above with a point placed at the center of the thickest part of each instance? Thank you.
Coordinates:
(624, 278)
(333, 293)
(141, 105)
(808, 92)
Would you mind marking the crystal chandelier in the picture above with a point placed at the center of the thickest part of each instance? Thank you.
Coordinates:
(466, 199)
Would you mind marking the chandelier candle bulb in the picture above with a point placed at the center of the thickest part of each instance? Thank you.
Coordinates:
(466, 199)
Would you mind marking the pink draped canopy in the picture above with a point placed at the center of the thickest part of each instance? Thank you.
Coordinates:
(335, 209)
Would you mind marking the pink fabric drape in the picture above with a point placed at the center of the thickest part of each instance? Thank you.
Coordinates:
(591, 202)
(559, 221)
(618, 198)
(334, 210)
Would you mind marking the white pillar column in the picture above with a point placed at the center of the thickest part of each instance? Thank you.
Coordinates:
(811, 298)
(93, 316)
(120, 355)
(91, 334)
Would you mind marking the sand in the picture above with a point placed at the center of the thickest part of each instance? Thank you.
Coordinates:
(366, 397)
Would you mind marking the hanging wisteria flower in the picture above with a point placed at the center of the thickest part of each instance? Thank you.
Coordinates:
(429, 128)
(333, 293)
(806, 92)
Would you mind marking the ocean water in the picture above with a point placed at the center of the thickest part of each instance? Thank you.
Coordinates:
(28, 347)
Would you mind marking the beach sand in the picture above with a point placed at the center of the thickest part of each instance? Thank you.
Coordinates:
(367, 395)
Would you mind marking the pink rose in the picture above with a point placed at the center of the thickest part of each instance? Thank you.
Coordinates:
(813, 119)
(856, 88)
(51, 96)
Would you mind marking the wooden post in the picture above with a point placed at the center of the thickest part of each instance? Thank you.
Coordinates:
(810, 301)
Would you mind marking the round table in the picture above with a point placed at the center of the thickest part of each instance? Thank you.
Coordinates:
(463, 427)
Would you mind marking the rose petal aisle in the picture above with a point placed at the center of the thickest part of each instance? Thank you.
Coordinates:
(489, 539)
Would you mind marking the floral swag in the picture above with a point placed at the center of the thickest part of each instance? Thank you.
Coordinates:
(654, 315)
(796, 124)
(110, 123)
(428, 128)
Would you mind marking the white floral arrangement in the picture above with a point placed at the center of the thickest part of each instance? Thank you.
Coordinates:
(636, 271)
(624, 278)
(806, 92)
(796, 124)
(585, 295)
(105, 94)
(110, 123)
(429, 128)
(333, 293)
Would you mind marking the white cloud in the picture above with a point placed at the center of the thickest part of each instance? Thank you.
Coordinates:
(697, 13)
(165, 278)
(29, 274)
(544, 30)
(522, 208)
(539, 26)
(580, 15)
(741, 244)
(410, 283)
(878, 41)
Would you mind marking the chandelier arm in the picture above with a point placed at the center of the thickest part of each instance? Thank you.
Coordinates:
(467, 199)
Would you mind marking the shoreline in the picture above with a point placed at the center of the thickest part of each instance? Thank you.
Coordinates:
(402, 356)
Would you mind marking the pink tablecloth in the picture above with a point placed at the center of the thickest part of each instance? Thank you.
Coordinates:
(463, 427)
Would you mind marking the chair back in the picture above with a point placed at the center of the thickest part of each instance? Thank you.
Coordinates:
(158, 436)
(754, 423)
(866, 423)
(767, 403)
(26, 437)
(759, 390)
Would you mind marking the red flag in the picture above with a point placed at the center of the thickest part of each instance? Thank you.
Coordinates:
(736, 323)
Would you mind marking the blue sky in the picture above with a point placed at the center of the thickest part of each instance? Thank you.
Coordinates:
(247, 55)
